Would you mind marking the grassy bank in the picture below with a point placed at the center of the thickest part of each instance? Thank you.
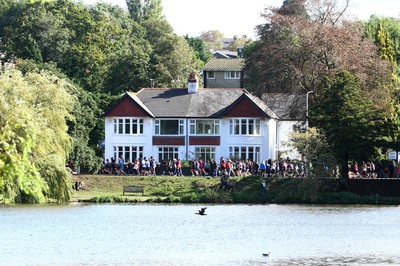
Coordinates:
(188, 189)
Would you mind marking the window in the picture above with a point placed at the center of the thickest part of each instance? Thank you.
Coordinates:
(206, 153)
(167, 153)
(128, 152)
(299, 127)
(210, 74)
(245, 152)
(128, 126)
(232, 74)
(204, 127)
(244, 126)
(169, 127)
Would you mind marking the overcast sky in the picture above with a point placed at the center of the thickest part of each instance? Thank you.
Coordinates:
(233, 17)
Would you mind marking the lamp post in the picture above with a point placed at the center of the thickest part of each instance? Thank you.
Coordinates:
(305, 157)
(307, 96)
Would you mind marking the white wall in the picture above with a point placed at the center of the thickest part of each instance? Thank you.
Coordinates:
(266, 141)
(285, 128)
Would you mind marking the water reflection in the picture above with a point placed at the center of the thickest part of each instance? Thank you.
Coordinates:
(84, 234)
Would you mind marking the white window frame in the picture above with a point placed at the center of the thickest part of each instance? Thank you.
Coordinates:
(180, 129)
(232, 74)
(197, 124)
(209, 76)
(124, 126)
(172, 151)
(128, 152)
(205, 153)
(245, 127)
(244, 152)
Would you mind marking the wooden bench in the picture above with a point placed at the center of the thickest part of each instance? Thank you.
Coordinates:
(133, 189)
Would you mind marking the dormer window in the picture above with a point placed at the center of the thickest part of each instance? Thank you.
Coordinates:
(232, 74)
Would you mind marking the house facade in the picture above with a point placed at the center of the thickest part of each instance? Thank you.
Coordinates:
(291, 110)
(223, 73)
(190, 123)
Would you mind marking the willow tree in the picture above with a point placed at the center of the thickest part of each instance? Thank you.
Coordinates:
(34, 142)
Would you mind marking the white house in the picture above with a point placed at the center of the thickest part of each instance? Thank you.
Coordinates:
(190, 123)
(291, 110)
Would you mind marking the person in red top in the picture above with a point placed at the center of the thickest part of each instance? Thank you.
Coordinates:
(202, 167)
(222, 165)
(355, 169)
(229, 167)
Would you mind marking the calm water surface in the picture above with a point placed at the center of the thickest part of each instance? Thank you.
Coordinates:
(82, 234)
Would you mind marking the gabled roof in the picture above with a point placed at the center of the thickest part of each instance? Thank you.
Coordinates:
(178, 103)
(223, 64)
(287, 106)
(225, 54)
(120, 105)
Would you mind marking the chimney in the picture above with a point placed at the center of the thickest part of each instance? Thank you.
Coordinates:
(193, 83)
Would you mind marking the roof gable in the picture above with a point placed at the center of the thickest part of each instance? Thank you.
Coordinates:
(178, 103)
(128, 106)
(244, 107)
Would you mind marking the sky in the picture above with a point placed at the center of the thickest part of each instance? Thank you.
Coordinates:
(233, 17)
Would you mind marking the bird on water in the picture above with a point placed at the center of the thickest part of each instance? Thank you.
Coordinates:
(202, 211)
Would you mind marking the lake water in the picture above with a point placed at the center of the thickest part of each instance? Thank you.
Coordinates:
(129, 234)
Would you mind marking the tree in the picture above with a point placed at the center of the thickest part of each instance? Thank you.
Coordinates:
(212, 38)
(34, 143)
(389, 31)
(143, 10)
(296, 54)
(200, 49)
(293, 8)
(238, 42)
(384, 32)
(353, 125)
(313, 145)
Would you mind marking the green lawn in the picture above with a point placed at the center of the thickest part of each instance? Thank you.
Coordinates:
(154, 186)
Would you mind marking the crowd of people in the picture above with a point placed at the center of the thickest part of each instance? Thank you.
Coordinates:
(235, 168)
(374, 170)
(145, 166)
(200, 167)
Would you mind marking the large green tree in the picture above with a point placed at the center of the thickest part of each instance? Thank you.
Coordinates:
(34, 143)
(171, 59)
(390, 32)
(353, 125)
(200, 49)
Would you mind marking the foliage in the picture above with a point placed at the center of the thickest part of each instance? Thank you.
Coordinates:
(238, 42)
(85, 115)
(172, 58)
(142, 10)
(212, 39)
(388, 31)
(353, 126)
(293, 8)
(279, 190)
(200, 49)
(107, 199)
(313, 145)
(35, 143)
(296, 53)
